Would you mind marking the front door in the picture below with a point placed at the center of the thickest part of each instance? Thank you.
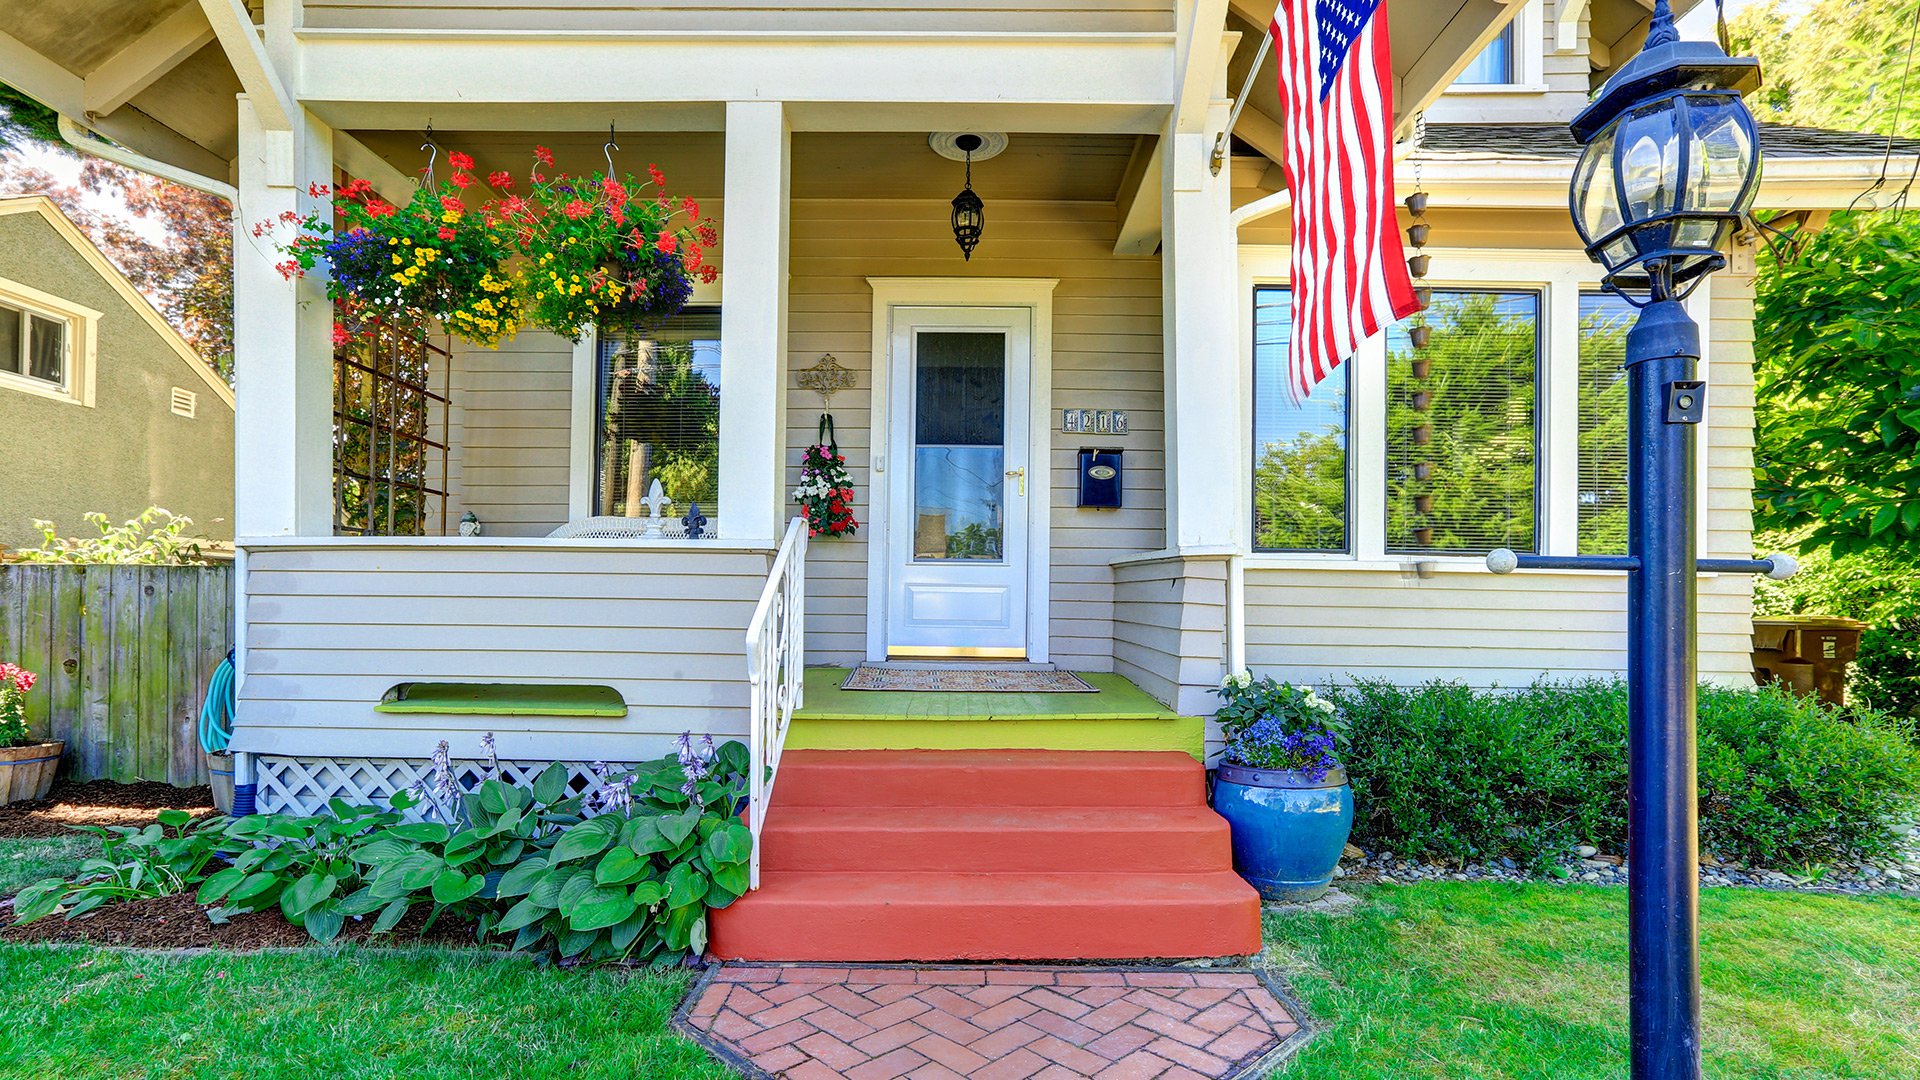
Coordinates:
(958, 501)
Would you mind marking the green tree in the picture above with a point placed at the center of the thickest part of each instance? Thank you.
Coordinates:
(1837, 64)
(1300, 493)
(24, 121)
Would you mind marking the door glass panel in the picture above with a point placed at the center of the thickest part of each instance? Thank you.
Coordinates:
(959, 451)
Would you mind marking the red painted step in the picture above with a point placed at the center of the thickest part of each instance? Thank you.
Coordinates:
(991, 855)
(932, 916)
(989, 778)
(1013, 839)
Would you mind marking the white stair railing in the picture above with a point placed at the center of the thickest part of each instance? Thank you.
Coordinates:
(776, 656)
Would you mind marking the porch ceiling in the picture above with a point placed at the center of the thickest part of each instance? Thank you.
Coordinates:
(826, 165)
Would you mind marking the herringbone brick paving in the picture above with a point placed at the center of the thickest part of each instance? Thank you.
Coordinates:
(993, 1023)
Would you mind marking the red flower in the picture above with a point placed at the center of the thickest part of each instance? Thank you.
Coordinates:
(446, 233)
(452, 204)
(577, 209)
(340, 334)
(379, 209)
(539, 178)
(317, 190)
(462, 180)
(356, 188)
(460, 160)
(692, 208)
(659, 178)
(500, 179)
(614, 190)
(288, 269)
(543, 155)
(667, 243)
(709, 274)
(694, 256)
(708, 234)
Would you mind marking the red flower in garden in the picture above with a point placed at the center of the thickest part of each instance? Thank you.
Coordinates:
(694, 256)
(377, 208)
(460, 160)
(667, 244)
(708, 234)
(462, 180)
(577, 209)
(709, 274)
(500, 179)
(340, 334)
(446, 233)
(317, 190)
(356, 188)
(692, 208)
(659, 178)
(452, 204)
(543, 155)
(614, 190)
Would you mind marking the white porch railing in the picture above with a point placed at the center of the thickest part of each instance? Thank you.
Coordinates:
(776, 654)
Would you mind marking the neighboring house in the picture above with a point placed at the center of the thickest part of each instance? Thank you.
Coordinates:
(1124, 297)
(103, 405)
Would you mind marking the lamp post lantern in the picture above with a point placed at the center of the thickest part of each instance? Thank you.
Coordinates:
(1669, 164)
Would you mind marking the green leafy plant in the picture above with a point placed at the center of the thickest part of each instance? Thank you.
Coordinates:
(637, 879)
(161, 859)
(1450, 771)
(154, 538)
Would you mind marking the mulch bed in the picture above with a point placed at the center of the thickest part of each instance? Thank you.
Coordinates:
(100, 802)
(176, 922)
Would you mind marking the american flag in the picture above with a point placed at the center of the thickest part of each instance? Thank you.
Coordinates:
(1349, 272)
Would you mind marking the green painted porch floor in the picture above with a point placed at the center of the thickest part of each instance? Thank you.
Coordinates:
(1121, 716)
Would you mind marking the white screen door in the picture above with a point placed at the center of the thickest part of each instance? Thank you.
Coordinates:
(958, 504)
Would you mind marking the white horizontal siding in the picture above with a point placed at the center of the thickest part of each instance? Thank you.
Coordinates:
(1169, 629)
(1095, 16)
(511, 433)
(330, 629)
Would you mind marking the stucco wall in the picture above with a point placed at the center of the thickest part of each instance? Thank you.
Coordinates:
(126, 452)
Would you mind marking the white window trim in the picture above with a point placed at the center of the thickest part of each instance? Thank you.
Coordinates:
(1559, 276)
(1529, 63)
(585, 410)
(83, 336)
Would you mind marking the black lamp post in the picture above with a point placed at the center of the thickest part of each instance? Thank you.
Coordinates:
(1670, 162)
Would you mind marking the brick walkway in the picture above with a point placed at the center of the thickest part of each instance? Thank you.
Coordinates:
(995, 1023)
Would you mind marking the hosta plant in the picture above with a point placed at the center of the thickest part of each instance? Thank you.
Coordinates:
(161, 859)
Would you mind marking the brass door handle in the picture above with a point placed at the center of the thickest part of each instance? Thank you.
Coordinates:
(1020, 473)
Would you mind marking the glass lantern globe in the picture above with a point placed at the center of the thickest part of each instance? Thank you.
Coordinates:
(1669, 165)
(969, 213)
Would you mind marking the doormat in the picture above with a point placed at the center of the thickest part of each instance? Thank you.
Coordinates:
(966, 681)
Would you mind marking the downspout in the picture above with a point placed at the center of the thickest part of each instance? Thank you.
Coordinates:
(87, 142)
(246, 785)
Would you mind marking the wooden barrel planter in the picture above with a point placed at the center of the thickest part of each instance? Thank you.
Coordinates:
(26, 772)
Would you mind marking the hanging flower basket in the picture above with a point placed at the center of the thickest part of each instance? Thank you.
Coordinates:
(826, 489)
(618, 253)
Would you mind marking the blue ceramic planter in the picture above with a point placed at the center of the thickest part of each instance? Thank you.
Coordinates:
(1288, 831)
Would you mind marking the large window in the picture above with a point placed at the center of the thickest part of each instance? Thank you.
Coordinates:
(1462, 426)
(1604, 321)
(1299, 447)
(33, 345)
(659, 416)
(1494, 65)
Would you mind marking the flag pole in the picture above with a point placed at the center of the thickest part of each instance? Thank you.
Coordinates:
(1239, 103)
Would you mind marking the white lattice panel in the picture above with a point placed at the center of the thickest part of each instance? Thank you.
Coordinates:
(303, 785)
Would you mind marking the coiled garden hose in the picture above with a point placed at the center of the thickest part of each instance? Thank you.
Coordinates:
(216, 715)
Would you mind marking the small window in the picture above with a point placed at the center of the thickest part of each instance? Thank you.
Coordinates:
(1494, 65)
(185, 403)
(1462, 426)
(1604, 321)
(659, 416)
(1299, 447)
(33, 346)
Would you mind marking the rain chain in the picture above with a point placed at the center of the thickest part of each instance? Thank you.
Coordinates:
(1419, 334)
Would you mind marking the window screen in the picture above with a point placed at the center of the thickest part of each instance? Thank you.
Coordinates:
(1299, 448)
(33, 345)
(1462, 429)
(1493, 66)
(659, 416)
(1604, 321)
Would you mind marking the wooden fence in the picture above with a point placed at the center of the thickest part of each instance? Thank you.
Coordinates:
(124, 654)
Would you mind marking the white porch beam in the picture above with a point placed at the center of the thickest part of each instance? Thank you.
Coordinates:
(282, 337)
(1566, 25)
(359, 160)
(233, 25)
(753, 320)
(40, 78)
(1138, 206)
(145, 59)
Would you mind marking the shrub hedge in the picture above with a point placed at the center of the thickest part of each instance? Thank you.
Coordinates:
(1448, 771)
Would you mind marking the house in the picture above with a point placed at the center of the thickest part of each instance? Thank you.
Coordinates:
(1125, 298)
(103, 405)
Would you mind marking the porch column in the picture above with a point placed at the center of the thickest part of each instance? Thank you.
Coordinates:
(282, 338)
(1201, 311)
(753, 321)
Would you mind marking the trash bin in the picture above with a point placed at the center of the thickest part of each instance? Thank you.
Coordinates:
(1808, 653)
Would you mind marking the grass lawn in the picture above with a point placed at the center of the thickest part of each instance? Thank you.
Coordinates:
(81, 1013)
(1495, 981)
(25, 861)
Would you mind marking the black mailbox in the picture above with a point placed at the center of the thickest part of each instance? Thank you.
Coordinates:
(1100, 478)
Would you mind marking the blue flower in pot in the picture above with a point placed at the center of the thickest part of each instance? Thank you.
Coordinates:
(1281, 787)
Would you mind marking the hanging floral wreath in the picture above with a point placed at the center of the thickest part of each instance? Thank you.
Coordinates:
(826, 490)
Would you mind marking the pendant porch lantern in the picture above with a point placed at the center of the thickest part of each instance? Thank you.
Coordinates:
(1670, 162)
(969, 213)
